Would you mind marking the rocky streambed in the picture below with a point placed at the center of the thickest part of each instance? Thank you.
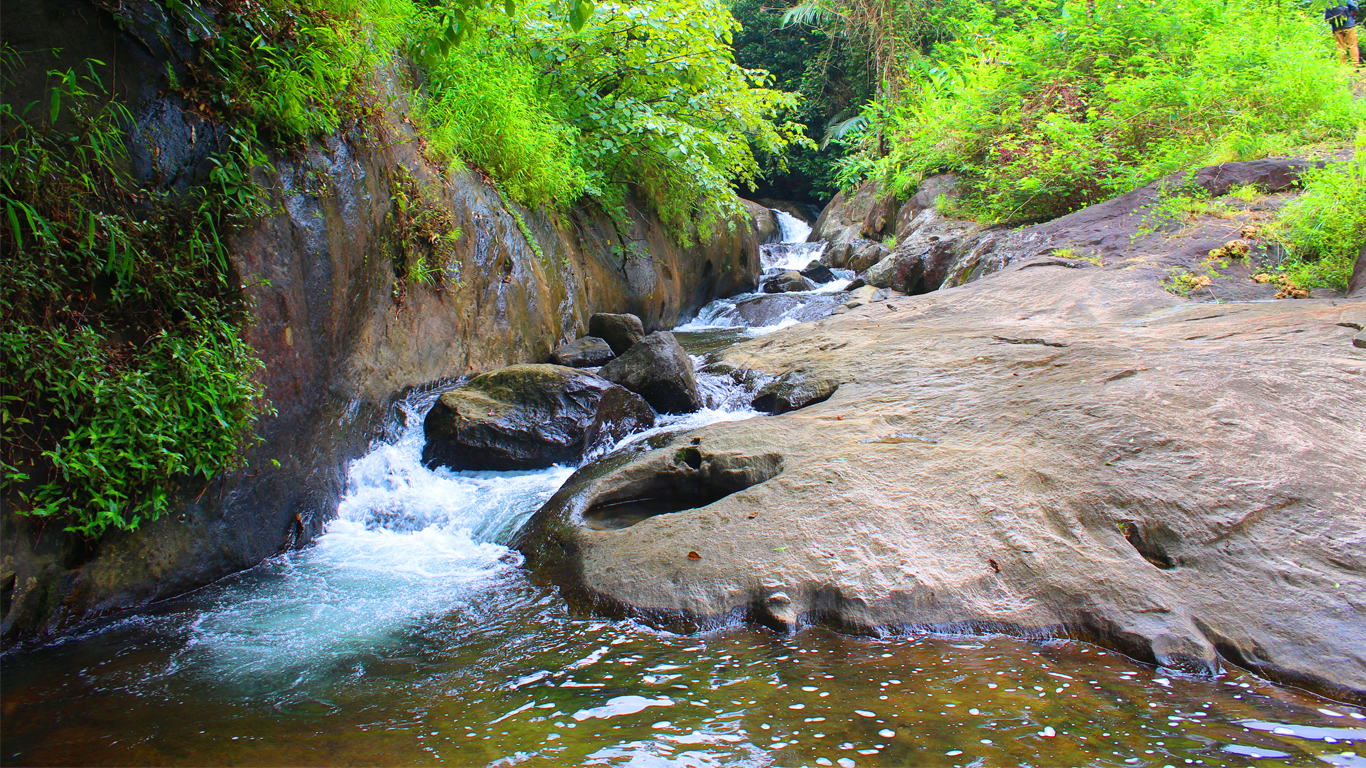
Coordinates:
(1056, 515)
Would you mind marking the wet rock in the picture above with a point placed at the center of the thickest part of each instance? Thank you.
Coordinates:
(636, 492)
(766, 229)
(529, 417)
(619, 331)
(793, 390)
(789, 281)
(771, 309)
(818, 273)
(587, 352)
(803, 212)
(660, 371)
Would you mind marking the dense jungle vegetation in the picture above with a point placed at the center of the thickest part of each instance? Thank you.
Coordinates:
(126, 380)
(1045, 108)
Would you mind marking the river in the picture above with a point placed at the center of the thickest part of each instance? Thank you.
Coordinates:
(410, 634)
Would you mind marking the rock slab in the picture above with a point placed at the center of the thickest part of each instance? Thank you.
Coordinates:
(1049, 451)
(658, 369)
(529, 417)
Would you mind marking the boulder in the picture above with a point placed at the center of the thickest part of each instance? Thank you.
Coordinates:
(837, 255)
(864, 295)
(657, 369)
(587, 352)
(529, 417)
(868, 255)
(772, 308)
(922, 259)
(818, 273)
(793, 390)
(861, 212)
(881, 217)
(1052, 451)
(619, 331)
(927, 196)
(787, 281)
(766, 229)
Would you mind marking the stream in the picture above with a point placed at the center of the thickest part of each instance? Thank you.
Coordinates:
(410, 634)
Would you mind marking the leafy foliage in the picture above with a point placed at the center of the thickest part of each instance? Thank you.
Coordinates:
(1045, 110)
(124, 370)
(1325, 227)
(831, 74)
(644, 97)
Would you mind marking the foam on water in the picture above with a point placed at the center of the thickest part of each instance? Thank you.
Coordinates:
(409, 544)
(793, 252)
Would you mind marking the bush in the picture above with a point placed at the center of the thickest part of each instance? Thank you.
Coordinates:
(485, 105)
(1044, 114)
(1324, 228)
(124, 371)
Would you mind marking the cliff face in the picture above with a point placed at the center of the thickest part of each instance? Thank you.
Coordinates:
(340, 334)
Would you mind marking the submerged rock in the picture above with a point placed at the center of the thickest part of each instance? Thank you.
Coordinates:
(587, 352)
(619, 331)
(529, 417)
(660, 371)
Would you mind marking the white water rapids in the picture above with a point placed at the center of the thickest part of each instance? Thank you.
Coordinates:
(411, 542)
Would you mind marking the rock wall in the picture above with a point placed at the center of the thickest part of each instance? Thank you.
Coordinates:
(339, 336)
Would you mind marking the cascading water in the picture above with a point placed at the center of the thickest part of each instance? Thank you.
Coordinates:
(409, 634)
(760, 313)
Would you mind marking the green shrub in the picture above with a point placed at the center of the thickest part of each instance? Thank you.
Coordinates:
(485, 105)
(124, 372)
(1042, 114)
(1324, 228)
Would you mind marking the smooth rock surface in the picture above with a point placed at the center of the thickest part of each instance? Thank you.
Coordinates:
(529, 417)
(620, 331)
(1049, 451)
(660, 371)
(587, 352)
(766, 229)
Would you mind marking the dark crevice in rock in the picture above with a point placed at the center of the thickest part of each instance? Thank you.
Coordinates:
(1150, 544)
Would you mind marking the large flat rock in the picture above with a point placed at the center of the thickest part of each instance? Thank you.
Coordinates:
(1054, 450)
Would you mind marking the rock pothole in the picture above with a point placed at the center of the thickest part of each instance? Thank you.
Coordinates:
(685, 478)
